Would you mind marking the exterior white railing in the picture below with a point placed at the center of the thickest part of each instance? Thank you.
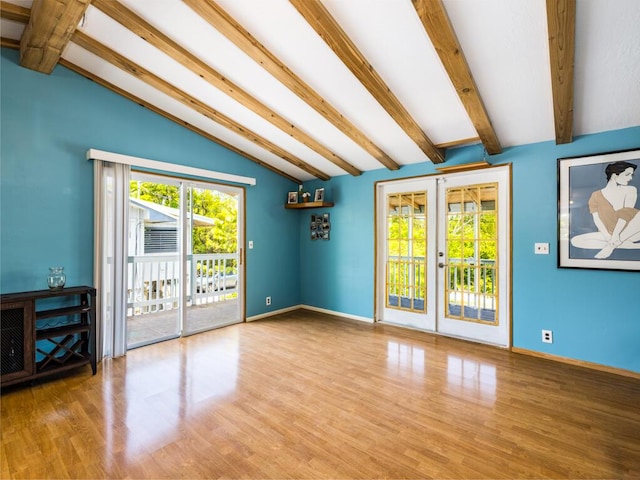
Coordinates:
(153, 281)
(469, 279)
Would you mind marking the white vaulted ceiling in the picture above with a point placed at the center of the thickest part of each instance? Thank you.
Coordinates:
(333, 87)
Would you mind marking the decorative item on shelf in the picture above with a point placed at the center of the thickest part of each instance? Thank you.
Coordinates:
(306, 198)
(303, 195)
(56, 278)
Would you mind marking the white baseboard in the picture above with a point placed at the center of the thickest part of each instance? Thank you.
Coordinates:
(274, 312)
(337, 314)
(309, 307)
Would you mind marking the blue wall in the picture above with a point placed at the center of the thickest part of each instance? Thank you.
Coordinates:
(593, 313)
(46, 216)
(46, 185)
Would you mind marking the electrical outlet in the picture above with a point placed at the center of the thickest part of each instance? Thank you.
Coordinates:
(268, 301)
(547, 336)
(541, 249)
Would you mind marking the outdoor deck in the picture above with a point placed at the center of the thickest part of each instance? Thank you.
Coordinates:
(146, 328)
(154, 295)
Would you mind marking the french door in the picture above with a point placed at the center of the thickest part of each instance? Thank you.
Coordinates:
(184, 262)
(442, 259)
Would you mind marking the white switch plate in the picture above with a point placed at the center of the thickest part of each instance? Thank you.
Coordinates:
(250, 244)
(541, 249)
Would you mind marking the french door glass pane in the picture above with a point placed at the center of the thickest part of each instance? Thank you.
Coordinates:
(406, 251)
(472, 253)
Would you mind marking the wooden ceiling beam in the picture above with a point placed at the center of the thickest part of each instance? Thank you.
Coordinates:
(226, 25)
(15, 13)
(561, 23)
(155, 37)
(10, 43)
(165, 87)
(436, 23)
(20, 14)
(330, 31)
(458, 143)
(169, 116)
(48, 31)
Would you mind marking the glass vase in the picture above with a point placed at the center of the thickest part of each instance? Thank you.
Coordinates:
(56, 278)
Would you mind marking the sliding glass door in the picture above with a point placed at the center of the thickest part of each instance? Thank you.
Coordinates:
(154, 274)
(213, 258)
(184, 259)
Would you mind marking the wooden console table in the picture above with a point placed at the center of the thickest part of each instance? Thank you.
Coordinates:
(40, 339)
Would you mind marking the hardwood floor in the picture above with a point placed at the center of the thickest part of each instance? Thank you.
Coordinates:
(306, 395)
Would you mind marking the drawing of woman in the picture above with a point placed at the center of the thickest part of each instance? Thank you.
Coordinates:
(614, 213)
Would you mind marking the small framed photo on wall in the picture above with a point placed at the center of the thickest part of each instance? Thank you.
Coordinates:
(292, 197)
(599, 211)
(320, 227)
(319, 195)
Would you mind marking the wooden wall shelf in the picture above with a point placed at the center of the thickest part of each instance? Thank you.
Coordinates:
(309, 205)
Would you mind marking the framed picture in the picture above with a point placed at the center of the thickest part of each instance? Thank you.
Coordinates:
(319, 195)
(292, 197)
(599, 211)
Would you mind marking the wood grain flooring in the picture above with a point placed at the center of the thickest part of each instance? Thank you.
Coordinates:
(307, 395)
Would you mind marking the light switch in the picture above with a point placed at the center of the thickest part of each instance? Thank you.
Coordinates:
(250, 244)
(541, 249)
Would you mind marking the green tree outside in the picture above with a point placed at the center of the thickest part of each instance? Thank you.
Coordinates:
(221, 237)
(464, 242)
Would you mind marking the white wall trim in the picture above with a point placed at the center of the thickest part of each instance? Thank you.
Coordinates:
(273, 313)
(309, 307)
(93, 154)
(338, 314)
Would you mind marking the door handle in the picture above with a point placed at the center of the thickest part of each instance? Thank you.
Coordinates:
(442, 265)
